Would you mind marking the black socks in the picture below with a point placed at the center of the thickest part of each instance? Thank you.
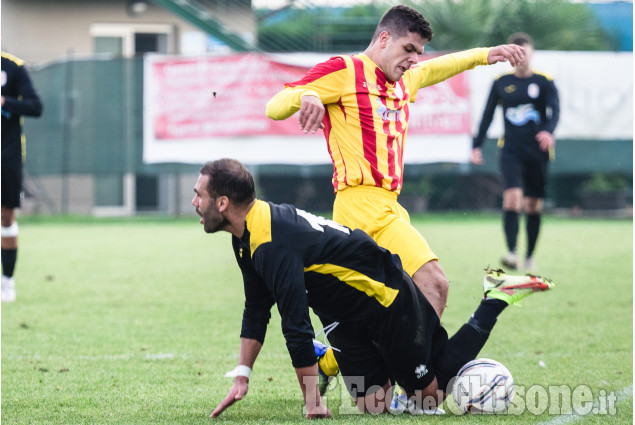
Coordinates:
(484, 318)
(510, 225)
(9, 257)
(468, 341)
(533, 227)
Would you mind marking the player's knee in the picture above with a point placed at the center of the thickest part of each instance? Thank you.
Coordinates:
(7, 220)
(533, 205)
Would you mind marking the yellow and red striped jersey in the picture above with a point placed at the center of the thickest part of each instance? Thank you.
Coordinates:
(366, 119)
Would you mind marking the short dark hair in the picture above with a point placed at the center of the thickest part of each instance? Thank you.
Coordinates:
(520, 38)
(400, 20)
(228, 177)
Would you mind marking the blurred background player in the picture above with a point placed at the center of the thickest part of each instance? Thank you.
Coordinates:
(18, 98)
(365, 124)
(531, 109)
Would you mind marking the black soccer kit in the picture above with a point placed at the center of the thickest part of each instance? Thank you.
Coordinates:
(20, 98)
(530, 105)
(387, 329)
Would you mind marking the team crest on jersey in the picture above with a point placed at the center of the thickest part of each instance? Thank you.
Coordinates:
(510, 88)
(533, 90)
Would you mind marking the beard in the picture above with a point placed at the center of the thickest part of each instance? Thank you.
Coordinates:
(213, 221)
(215, 226)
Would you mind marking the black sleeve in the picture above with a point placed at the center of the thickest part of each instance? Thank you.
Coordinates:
(28, 102)
(553, 104)
(257, 312)
(283, 271)
(258, 299)
(488, 115)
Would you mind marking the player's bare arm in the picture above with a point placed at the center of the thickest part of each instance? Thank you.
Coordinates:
(311, 114)
(511, 53)
(308, 379)
(545, 140)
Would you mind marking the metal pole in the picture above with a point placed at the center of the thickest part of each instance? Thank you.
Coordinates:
(66, 129)
(129, 193)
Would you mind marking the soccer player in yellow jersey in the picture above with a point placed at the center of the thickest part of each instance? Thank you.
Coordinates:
(362, 104)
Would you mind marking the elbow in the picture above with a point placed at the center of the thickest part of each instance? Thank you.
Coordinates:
(35, 108)
(269, 111)
(272, 111)
(38, 110)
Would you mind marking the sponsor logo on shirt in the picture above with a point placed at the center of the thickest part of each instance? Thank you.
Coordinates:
(373, 86)
(522, 114)
(386, 114)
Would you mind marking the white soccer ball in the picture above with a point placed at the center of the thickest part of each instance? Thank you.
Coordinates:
(483, 386)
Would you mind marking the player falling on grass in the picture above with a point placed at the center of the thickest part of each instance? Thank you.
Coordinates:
(382, 326)
(19, 98)
(362, 103)
(531, 109)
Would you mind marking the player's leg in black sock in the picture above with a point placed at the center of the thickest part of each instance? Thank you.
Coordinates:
(468, 341)
(510, 226)
(533, 228)
(9, 258)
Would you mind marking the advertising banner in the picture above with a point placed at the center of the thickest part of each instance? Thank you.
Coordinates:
(209, 107)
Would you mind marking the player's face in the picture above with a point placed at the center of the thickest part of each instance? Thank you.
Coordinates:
(525, 64)
(211, 218)
(399, 54)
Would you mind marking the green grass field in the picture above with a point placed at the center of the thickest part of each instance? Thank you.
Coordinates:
(136, 321)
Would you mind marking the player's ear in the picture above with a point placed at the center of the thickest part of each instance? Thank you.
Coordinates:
(384, 37)
(222, 203)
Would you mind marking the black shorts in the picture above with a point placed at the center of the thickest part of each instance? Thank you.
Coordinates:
(11, 186)
(400, 345)
(526, 172)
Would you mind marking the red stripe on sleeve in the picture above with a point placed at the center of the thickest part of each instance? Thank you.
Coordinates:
(369, 138)
(334, 64)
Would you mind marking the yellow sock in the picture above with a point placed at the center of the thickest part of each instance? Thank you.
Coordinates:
(328, 364)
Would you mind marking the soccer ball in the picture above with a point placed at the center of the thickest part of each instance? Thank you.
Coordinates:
(483, 386)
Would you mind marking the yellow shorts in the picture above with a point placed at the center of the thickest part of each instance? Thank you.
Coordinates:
(377, 212)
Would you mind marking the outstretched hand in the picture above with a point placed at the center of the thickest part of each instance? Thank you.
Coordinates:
(237, 392)
(511, 53)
